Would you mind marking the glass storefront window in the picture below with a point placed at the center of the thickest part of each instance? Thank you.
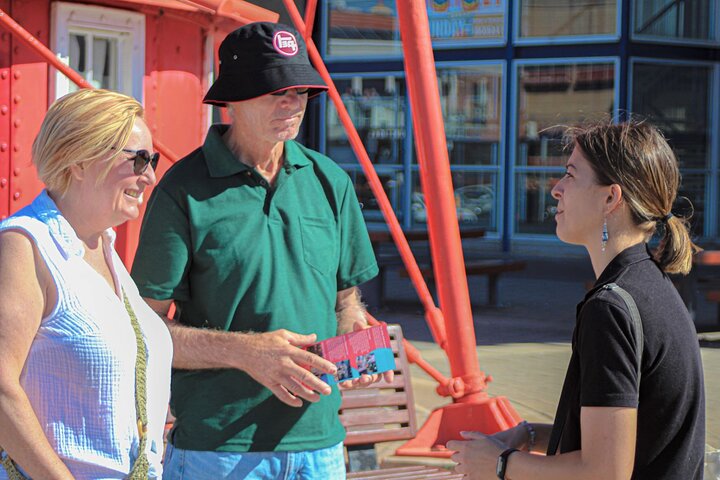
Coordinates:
(475, 199)
(534, 205)
(561, 18)
(471, 99)
(678, 19)
(393, 183)
(370, 27)
(377, 108)
(550, 97)
(677, 99)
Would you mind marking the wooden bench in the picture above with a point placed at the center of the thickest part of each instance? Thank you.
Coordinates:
(493, 268)
(381, 413)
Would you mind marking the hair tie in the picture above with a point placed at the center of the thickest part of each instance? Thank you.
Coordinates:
(664, 220)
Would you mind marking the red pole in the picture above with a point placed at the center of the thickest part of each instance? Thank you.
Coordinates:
(433, 315)
(28, 39)
(446, 247)
(310, 7)
(474, 409)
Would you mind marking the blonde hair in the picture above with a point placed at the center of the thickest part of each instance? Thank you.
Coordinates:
(636, 156)
(81, 128)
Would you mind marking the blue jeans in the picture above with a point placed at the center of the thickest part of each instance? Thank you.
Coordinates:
(323, 464)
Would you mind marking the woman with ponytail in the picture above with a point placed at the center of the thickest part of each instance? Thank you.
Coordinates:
(633, 405)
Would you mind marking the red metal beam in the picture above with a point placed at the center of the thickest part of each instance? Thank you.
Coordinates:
(443, 229)
(433, 315)
(28, 39)
(310, 7)
(474, 410)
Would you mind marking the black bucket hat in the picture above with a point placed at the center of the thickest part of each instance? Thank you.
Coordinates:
(262, 58)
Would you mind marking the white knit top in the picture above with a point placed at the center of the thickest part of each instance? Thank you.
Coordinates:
(80, 371)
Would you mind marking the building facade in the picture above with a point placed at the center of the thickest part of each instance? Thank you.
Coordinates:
(511, 73)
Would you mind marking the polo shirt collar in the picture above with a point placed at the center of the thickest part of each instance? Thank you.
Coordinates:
(629, 256)
(222, 162)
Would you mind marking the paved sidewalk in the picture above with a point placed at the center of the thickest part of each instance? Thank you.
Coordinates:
(524, 344)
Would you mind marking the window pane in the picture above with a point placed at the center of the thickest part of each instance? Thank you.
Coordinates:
(77, 57)
(104, 72)
(552, 96)
(691, 19)
(471, 101)
(370, 27)
(677, 98)
(556, 18)
(377, 109)
(475, 199)
(392, 182)
(534, 204)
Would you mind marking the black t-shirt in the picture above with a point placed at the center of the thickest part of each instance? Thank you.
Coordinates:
(603, 369)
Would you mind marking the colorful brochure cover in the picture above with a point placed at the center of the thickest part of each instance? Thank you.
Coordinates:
(366, 351)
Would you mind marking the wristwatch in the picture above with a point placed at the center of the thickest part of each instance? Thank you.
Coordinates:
(502, 462)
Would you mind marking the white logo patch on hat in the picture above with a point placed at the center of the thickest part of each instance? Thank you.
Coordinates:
(285, 43)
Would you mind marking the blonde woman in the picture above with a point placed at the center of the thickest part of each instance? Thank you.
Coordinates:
(85, 370)
(633, 402)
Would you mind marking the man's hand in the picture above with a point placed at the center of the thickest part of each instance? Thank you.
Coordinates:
(276, 361)
(364, 380)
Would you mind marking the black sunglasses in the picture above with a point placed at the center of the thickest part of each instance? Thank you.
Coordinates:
(299, 91)
(142, 159)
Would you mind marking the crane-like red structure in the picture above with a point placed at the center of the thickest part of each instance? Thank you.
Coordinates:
(452, 324)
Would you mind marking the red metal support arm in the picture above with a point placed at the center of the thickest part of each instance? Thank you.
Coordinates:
(310, 7)
(28, 39)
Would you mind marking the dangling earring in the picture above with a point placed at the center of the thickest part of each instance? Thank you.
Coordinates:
(604, 237)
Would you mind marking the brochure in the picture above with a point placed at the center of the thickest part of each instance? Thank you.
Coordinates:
(366, 351)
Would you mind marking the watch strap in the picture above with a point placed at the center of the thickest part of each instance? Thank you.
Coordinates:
(502, 462)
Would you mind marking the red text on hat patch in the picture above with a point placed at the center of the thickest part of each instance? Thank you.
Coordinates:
(285, 43)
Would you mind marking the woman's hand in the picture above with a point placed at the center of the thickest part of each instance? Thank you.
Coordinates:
(477, 455)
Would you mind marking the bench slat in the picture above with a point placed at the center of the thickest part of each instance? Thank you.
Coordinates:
(365, 437)
(373, 400)
(351, 418)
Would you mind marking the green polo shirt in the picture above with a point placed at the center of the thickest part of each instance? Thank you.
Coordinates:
(237, 255)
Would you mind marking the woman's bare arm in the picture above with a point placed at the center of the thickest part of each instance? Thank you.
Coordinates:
(22, 306)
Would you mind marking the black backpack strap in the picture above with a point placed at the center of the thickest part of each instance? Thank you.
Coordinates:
(554, 442)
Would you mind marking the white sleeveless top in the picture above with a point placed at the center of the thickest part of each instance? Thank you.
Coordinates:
(80, 371)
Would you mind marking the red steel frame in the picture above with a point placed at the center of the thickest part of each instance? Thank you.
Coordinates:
(47, 54)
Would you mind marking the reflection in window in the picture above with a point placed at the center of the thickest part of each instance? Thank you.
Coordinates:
(677, 98)
(392, 181)
(535, 205)
(551, 97)
(377, 109)
(95, 58)
(557, 18)
(690, 19)
(475, 199)
(554, 96)
(370, 27)
(471, 104)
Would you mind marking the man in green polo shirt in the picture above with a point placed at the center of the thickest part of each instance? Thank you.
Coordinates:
(260, 244)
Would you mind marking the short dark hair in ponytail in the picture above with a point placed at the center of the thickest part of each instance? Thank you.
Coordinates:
(636, 156)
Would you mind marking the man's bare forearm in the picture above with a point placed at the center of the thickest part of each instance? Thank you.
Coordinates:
(198, 348)
(350, 310)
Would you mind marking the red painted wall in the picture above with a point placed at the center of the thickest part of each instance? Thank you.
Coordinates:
(173, 90)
